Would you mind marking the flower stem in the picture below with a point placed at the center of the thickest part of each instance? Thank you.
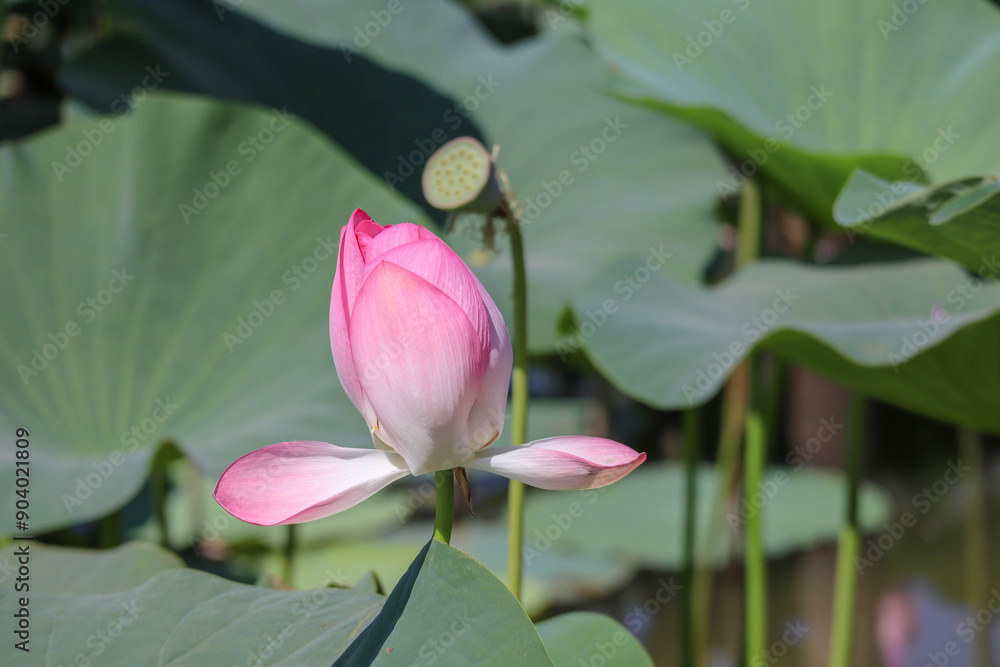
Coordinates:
(735, 396)
(845, 584)
(975, 531)
(445, 511)
(692, 456)
(755, 449)
(288, 553)
(519, 399)
(754, 458)
(158, 487)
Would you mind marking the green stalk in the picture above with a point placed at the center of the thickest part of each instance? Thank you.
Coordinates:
(158, 490)
(444, 513)
(734, 406)
(111, 530)
(692, 456)
(735, 403)
(975, 532)
(519, 399)
(846, 583)
(291, 543)
(755, 452)
(754, 458)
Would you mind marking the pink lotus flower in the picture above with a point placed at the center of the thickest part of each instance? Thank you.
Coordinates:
(424, 354)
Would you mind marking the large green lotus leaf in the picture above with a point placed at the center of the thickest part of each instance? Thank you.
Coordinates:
(640, 519)
(651, 182)
(453, 612)
(584, 638)
(184, 617)
(209, 331)
(558, 579)
(904, 332)
(66, 571)
(957, 220)
(896, 88)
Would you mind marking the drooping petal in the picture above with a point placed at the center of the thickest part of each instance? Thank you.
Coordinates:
(293, 482)
(562, 463)
(421, 374)
(346, 284)
(375, 242)
(487, 417)
(435, 262)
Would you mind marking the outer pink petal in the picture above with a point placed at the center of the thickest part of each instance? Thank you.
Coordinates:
(486, 421)
(293, 482)
(435, 262)
(563, 463)
(421, 375)
(346, 284)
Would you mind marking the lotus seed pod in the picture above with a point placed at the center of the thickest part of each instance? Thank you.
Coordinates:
(460, 177)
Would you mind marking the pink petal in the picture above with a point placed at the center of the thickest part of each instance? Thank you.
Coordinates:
(563, 463)
(486, 421)
(299, 481)
(421, 374)
(435, 262)
(375, 242)
(346, 284)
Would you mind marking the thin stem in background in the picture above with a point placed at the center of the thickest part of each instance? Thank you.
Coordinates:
(158, 491)
(754, 458)
(734, 406)
(692, 456)
(519, 399)
(288, 553)
(111, 530)
(846, 583)
(444, 513)
(735, 403)
(975, 535)
(755, 561)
